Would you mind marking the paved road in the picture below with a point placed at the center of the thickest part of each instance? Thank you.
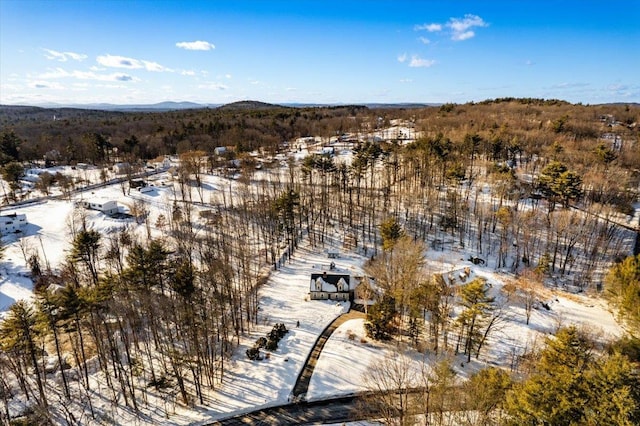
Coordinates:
(360, 406)
(334, 410)
(302, 383)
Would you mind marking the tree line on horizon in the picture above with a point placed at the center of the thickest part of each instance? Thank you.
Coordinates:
(526, 185)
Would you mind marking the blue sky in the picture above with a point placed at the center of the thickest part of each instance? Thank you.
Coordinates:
(137, 52)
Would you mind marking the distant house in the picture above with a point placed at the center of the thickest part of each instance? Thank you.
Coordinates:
(327, 151)
(12, 222)
(220, 150)
(121, 168)
(325, 286)
(137, 183)
(107, 207)
(161, 162)
(366, 291)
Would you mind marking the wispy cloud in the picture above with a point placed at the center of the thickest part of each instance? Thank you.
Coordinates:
(418, 62)
(213, 86)
(195, 45)
(462, 27)
(188, 72)
(85, 75)
(459, 28)
(46, 85)
(54, 55)
(406, 80)
(617, 87)
(567, 85)
(402, 58)
(424, 40)
(432, 28)
(114, 61)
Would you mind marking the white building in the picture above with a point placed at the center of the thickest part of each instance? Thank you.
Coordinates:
(12, 223)
(107, 207)
(121, 168)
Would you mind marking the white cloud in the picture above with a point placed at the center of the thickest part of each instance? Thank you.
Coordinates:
(291, 89)
(46, 85)
(418, 62)
(86, 75)
(114, 61)
(461, 27)
(424, 40)
(195, 45)
(432, 28)
(402, 58)
(188, 72)
(406, 80)
(227, 75)
(462, 36)
(213, 86)
(156, 67)
(63, 56)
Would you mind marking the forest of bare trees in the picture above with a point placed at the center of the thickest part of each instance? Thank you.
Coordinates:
(525, 185)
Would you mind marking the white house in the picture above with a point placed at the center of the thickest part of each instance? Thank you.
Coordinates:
(107, 207)
(220, 150)
(13, 222)
(122, 168)
(326, 286)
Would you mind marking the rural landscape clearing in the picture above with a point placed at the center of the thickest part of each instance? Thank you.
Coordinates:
(419, 257)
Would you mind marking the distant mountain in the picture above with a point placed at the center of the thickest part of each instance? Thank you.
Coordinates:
(248, 105)
(240, 105)
(161, 106)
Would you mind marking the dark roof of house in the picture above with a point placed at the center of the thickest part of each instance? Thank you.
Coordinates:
(330, 278)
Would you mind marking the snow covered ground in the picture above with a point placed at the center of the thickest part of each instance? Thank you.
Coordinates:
(349, 353)
(284, 299)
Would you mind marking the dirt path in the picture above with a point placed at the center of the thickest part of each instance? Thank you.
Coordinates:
(302, 383)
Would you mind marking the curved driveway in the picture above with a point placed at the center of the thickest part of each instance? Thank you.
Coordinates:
(302, 383)
(298, 411)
